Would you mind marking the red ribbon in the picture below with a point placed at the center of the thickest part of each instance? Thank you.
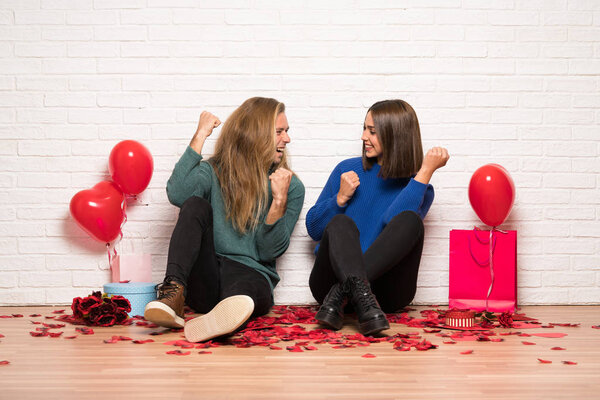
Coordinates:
(490, 261)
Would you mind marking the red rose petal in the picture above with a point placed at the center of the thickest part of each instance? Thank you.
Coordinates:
(528, 343)
(179, 352)
(294, 349)
(70, 337)
(143, 341)
(4, 362)
(17, 315)
(205, 352)
(275, 347)
(58, 312)
(466, 352)
(449, 342)
(550, 335)
(35, 315)
(38, 334)
(310, 348)
(54, 334)
(558, 348)
(544, 361)
(368, 355)
(595, 326)
(569, 362)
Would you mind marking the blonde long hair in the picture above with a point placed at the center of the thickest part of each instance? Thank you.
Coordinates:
(244, 156)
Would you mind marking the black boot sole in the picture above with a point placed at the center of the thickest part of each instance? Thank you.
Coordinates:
(373, 326)
(332, 320)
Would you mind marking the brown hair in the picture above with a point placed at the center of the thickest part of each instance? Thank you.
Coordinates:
(243, 157)
(397, 128)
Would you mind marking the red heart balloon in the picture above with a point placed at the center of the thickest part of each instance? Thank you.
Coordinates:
(130, 165)
(491, 193)
(98, 210)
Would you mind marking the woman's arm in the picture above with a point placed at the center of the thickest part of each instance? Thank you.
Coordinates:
(272, 239)
(190, 177)
(326, 206)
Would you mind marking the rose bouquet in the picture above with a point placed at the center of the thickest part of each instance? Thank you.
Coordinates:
(101, 310)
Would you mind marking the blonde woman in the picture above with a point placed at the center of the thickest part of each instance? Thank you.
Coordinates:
(238, 210)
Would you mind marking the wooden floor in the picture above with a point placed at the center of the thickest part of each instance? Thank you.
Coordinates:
(88, 368)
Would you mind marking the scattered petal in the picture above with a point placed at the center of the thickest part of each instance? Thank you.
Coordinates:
(449, 342)
(569, 362)
(544, 361)
(467, 352)
(310, 348)
(558, 348)
(35, 315)
(4, 362)
(294, 349)
(54, 334)
(143, 341)
(273, 347)
(368, 355)
(70, 337)
(58, 312)
(550, 335)
(528, 343)
(179, 352)
(595, 326)
(205, 352)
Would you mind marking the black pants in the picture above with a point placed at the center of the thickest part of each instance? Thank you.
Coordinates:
(208, 277)
(391, 263)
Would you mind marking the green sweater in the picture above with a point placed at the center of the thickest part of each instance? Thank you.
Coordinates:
(258, 248)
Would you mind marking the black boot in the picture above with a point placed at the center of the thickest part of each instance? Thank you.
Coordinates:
(331, 312)
(371, 320)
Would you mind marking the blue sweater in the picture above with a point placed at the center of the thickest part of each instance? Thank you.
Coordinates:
(375, 202)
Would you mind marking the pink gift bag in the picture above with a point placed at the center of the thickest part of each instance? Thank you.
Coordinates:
(477, 284)
(133, 268)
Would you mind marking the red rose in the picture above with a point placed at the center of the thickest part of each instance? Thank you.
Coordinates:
(505, 319)
(120, 316)
(105, 320)
(121, 302)
(87, 303)
(76, 307)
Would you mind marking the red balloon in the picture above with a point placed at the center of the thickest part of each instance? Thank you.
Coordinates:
(98, 210)
(130, 165)
(492, 194)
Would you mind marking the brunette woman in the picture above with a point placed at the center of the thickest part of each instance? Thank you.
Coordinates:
(369, 221)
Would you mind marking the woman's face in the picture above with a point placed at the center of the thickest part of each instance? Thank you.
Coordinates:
(370, 140)
(281, 136)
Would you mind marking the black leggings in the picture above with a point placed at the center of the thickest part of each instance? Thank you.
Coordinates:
(208, 277)
(391, 263)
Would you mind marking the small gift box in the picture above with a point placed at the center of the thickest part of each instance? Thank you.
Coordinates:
(131, 267)
(138, 294)
(478, 281)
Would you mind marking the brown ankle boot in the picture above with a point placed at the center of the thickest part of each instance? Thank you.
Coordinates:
(167, 310)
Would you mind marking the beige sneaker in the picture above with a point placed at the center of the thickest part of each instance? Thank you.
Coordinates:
(224, 318)
(167, 310)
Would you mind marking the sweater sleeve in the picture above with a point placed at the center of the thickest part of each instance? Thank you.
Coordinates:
(326, 206)
(190, 177)
(416, 196)
(272, 240)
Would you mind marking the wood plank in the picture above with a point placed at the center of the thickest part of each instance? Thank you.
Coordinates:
(88, 368)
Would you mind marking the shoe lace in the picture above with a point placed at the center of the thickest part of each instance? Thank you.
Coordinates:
(167, 290)
(365, 298)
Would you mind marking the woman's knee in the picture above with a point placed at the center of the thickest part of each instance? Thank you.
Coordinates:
(343, 222)
(409, 219)
(197, 207)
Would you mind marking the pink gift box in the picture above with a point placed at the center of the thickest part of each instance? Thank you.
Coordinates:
(470, 274)
(133, 268)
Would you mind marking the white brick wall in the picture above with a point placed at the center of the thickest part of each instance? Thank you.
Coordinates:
(514, 82)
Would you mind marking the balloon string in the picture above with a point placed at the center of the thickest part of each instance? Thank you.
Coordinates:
(492, 246)
(117, 241)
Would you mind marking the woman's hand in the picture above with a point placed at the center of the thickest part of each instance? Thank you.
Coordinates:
(206, 124)
(348, 183)
(280, 183)
(435, 158)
